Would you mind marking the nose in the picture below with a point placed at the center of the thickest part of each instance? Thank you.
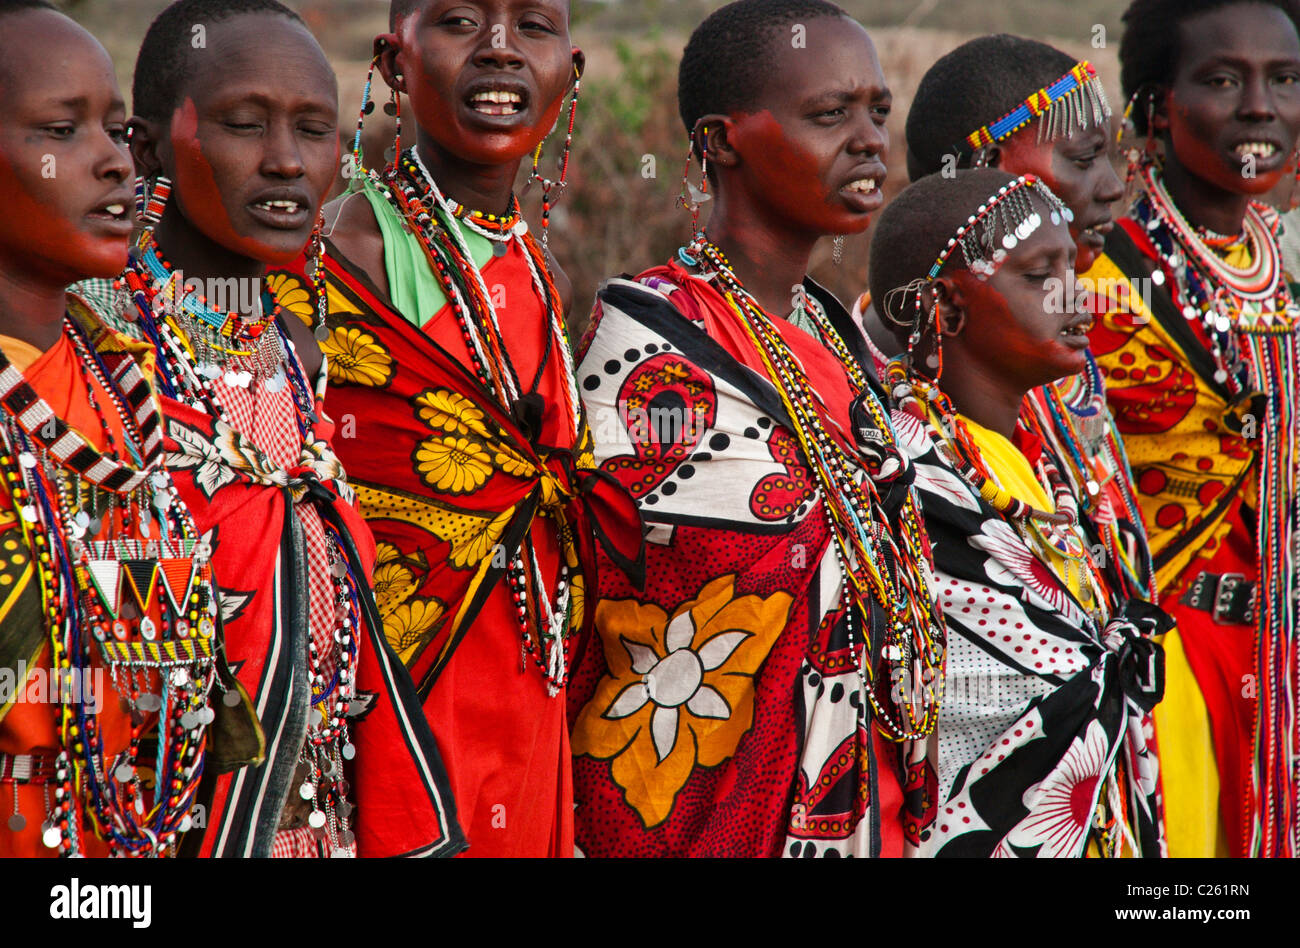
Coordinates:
(1257, 100)
(115, 163)
(1109, 188)
(281, 157)
(496, 48)
(869, 139)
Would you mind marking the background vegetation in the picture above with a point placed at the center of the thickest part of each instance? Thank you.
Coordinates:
(618, 214)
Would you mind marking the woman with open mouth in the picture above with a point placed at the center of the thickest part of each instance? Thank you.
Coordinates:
(447, 342)
(1052, 667)
(735, 706)
(1203, 387)
(110, 651)
(236, 143)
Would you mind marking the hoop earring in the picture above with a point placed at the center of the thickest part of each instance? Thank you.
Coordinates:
(562, 182)
(151, 202)
(367, 106)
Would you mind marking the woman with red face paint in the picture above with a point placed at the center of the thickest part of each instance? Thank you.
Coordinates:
(1200, 371)
(446, 342)
(1052, 671)
(108, 635)
(241, 129)
(1027, 108)
(769, 691)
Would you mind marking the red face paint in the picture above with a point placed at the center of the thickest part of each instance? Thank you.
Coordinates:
(442, 71)
(800, 185)
(200, 197)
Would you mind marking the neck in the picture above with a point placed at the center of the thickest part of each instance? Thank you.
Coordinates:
(984, 398)
(198, 258)
(769, 260)
(1202, 203)
(32, 310)
(485, 188)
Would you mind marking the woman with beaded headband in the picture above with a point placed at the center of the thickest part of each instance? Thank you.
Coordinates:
(769, 692)
(446, 342)
(1052, 670)
(109, 634)
(1201, 376)
(241, 130)
(1025, 107)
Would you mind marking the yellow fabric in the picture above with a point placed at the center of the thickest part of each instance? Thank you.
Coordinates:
(20, 354)
(1189, 775)
(1014, 474)
(1166, 389)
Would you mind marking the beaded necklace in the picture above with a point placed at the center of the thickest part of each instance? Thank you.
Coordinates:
(1250, 321)
(882, 565)
(97, 597)
(185, 376)
(438, 225)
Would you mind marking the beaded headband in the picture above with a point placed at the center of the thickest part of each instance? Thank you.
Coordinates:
(1011, 207)
(1076, 100)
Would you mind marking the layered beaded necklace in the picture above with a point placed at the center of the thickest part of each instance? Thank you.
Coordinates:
(100, 597)
(438, 225)
(881, 565)
(1250, 321)
(189, 368)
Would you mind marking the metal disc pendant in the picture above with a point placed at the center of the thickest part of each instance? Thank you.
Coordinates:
(349, 751)
(27, 460)
(231, 699)
(499, 249)
(17, 823)
(1093, 487)
(29, 513)
(1220, 376)
(52, 837)
(189, 720)
(307, 791)
(321, 332)
(124, 773)
(148, 702)
(1158, 277)
(316, 820)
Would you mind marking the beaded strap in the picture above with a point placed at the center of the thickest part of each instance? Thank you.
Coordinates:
(67, 445)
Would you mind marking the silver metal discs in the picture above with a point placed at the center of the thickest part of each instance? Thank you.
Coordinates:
(231, 699)
(307, 791)
(123, 773)
(316, 820)
(148, 702)
(321, 332)
(17, 823)
(349, 751)
(52, 837)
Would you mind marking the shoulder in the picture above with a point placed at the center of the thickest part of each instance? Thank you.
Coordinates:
(354, 232)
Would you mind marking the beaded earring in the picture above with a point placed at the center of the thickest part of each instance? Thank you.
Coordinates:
(150, 202)
(393, 108)
(837, 249)
(316, 255)
(562, 182)
(692, 197)
(367, 106)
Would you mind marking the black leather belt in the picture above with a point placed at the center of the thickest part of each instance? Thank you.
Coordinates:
(1227, 597)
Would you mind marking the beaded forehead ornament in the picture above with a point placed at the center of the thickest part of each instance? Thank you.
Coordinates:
(1075, 101)
(1012, 208)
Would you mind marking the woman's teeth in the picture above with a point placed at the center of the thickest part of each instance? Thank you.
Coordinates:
(117, 210)
(1079, 329)
(497, 102)
(291, 206)
(1259, 149)
(862, 186)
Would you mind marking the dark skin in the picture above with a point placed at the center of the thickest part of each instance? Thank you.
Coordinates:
(1237, 82)
(443, 58)
(64, 171)
(1003, 336)
(257, 122)
(786, 171)
(1077, 169)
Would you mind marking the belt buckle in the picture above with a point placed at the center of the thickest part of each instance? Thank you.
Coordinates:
(1223, 593)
